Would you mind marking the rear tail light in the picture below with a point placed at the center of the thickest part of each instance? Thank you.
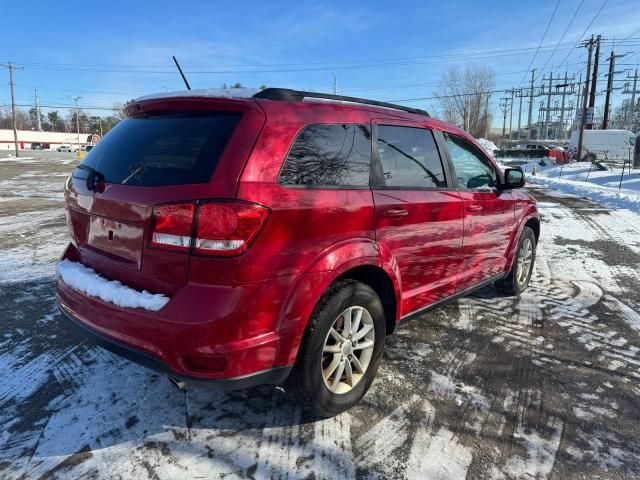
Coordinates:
(172, 225)
(221, 228)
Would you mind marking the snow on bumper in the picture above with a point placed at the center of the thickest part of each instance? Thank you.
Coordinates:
(86, 280)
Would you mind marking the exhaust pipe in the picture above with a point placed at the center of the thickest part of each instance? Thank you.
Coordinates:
(179, 384)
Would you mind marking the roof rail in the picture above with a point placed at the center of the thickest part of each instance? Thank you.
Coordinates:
(289, 95)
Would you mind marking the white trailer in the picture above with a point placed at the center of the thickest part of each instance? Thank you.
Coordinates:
(615, 145)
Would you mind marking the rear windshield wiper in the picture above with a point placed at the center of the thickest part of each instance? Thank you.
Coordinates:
(93, 177)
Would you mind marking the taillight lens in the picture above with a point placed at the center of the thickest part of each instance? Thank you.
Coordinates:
(223, 228)
(172, 226)
(227, 229)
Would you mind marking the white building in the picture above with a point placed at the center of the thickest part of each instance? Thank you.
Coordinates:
(48, 140)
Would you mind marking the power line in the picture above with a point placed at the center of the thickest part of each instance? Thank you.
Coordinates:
(563, 35)
(585, 31)
(401, 62)
(541, 40)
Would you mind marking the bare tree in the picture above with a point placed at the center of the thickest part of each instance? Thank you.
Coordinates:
(464, 97)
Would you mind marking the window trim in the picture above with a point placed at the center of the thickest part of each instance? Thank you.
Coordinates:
(479, 153)
(377, 181)
(325, 187)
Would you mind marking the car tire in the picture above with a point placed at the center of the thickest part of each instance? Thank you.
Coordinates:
(517, 280)
(312, 382)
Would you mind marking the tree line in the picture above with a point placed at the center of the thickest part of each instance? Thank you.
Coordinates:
(55, 121)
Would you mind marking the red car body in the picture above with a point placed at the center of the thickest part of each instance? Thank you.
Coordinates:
(238, 321)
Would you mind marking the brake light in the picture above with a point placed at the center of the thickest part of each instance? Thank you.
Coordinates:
(222, 228)
(228, 228)
(172, 226)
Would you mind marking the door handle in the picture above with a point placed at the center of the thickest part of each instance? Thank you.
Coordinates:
(395, 213)
(474, 207)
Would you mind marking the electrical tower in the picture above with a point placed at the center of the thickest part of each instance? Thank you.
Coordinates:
(632, 109)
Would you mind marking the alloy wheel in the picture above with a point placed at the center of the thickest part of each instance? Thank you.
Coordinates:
(525, 256)
(348, 349)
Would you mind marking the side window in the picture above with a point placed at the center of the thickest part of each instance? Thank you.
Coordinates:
(329, 155)
(472, 169)
(409, 157)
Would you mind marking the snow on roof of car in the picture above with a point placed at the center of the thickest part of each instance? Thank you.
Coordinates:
(203, 92)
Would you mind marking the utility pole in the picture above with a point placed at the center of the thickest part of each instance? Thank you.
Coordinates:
(564, 94)
(594, 81)
(530, 118)
(511, 113)
(11, 68)
(630, 113)
(582, 118)
(634, 91)
(520, 94)
(548, 115)
(503, 107)
(38, 121)
(75, 99)
(335, 84)
(486, 116)
(612, 63)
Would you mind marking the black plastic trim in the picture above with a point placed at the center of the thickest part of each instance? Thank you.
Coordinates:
(290, 95)
(455, 296)
(273, 376)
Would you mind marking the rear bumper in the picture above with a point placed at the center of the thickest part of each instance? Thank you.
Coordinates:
(207, 334)
(272, 376)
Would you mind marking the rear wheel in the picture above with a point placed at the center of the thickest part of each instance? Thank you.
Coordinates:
(518, 279)
(340, 351)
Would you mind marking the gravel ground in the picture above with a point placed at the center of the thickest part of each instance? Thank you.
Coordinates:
(544, 386)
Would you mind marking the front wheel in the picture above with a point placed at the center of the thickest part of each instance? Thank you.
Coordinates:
(518, 279)
(340, 351)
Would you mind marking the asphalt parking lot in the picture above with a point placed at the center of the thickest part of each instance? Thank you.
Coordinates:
(542, 386)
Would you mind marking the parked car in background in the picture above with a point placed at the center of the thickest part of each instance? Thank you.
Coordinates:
(616, 145)
(64, 148)
(283, 236)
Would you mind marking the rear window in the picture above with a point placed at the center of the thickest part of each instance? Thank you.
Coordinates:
(329, 155)
(162, 149)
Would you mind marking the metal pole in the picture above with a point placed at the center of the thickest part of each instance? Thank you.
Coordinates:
(584, 105)
(530, 118)
(624, 165)
(486, 116)
(548, 116)
(38, 121)
(564, 94)
(11, 68)
(13, 110)
(594, 79)
(511, 114)
(607, 101)
(520, 112)
(75, 99)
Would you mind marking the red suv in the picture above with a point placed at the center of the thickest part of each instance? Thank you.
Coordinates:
(279, 238)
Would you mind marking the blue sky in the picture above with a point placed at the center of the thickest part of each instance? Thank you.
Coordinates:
(110, 52)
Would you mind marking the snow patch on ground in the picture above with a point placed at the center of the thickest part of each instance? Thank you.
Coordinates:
(540, 450)
(442, 457)
(600, 186)
(86, 280)
(458, 391)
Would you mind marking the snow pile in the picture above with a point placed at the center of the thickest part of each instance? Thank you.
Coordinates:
(600, 186)
(488, 145)
(86, 280)
(204, 92)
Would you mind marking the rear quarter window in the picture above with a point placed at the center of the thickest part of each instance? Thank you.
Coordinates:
(164, 149)
(329, 155)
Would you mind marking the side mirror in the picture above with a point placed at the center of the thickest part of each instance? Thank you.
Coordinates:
(513, 178)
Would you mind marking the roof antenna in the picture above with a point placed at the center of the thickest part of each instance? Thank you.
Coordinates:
(180, 70)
